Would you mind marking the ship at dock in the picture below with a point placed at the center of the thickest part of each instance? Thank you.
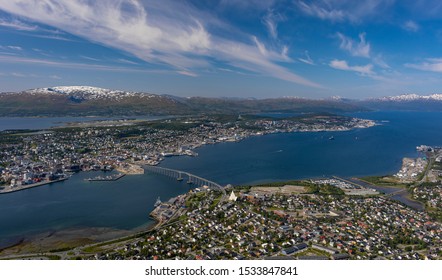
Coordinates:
(106, 178)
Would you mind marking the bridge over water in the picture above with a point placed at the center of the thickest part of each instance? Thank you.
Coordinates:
(185, 176)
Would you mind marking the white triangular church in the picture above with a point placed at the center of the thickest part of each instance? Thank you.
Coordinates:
(232, 197)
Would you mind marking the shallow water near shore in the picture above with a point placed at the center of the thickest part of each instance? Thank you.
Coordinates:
(75, 204)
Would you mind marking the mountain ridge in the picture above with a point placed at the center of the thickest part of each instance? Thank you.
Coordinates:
(87, 100)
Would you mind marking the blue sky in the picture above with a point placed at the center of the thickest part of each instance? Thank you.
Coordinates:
(254, 48)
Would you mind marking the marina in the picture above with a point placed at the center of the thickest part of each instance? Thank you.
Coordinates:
(113, 177)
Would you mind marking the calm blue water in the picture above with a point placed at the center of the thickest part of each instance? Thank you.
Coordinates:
(126, 203)
(76, 203)
(374, 151)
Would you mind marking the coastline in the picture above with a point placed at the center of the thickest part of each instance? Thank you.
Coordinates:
(406, 195)
(137, 168)
(238, 141)
(68, 239)
(25, 187)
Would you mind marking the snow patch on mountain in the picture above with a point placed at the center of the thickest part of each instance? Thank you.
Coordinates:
(89, 93)
(411, 97)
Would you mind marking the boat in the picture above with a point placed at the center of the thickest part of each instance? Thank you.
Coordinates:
(331, 138)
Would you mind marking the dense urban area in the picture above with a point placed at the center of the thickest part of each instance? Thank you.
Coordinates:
(34, 158)
(329, 218)
(275, 225)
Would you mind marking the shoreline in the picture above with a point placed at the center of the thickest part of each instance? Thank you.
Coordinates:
(74, 239)
(152, 226)
(137, 169)
(68, 239)
(91, 236)
(406, 195)
(30, 186)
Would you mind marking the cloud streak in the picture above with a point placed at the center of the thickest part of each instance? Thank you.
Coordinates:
(343, 65)
(431, 65)
(72, 65)
(411, 26)
(17, 25)
(13, 48)
(361, 48)
(271, 20)
(344, 10)
(321, 11)
(158, 32)
(307, 59)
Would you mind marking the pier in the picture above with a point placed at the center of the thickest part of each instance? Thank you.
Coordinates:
(186, 176)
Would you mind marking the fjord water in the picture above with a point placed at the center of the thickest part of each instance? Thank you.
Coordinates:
(126, 203)
(76, 203)
(373, 151)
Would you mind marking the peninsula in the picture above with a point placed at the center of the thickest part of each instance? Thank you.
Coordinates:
(29, 159)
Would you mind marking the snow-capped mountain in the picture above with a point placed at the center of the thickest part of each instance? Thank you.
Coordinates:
(86, 100)
(89, 93)
(412, 97)
(413, 102)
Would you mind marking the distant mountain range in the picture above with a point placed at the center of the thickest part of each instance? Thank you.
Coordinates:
(84, 100)
(412, 102)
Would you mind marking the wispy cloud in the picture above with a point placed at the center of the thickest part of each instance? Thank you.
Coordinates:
(361, 48)
(40, 52)
(89, 58)
(29, 75)
(13, 48)
(19, 75)
(33, 30)
(344, 10)
(8, 53)
(411, 26)
(166, 33)
(72, 65)
(247, 5)
(271, 20)
(307, 59)
(379, 61)
(53, 37)
(430, 64)
(246, 57)
(187, 73)
(17, 25)
(127, 61)
(231, 71)
(343, 65)
(321, 11)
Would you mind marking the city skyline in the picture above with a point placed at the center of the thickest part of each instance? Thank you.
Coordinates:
(312, 49)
